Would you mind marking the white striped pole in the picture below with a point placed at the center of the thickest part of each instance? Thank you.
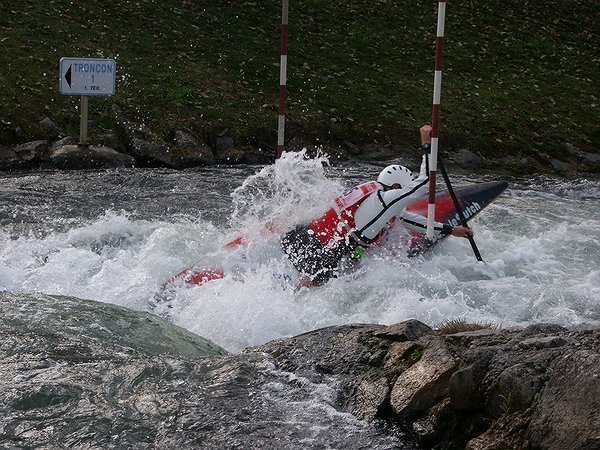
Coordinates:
(435, 115)
(282, 78)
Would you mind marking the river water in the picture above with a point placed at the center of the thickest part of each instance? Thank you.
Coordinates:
(116, 236)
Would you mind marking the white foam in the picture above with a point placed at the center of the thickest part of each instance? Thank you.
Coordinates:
(541, 254)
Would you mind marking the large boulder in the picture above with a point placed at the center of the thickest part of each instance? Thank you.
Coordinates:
(568, 410)
(425, 383)
(537, 387)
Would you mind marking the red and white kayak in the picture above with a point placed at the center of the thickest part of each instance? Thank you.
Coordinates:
(471, 198)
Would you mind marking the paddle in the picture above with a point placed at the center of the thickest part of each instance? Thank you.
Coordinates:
(459, 210)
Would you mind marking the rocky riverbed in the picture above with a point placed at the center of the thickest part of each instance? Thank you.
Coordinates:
(83, 374)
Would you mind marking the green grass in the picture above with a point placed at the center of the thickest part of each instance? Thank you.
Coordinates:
(461, 325)
(519, 75)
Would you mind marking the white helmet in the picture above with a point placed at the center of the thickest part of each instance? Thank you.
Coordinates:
(395, 174)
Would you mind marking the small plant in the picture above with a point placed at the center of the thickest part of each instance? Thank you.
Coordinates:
(505, 409)
(505, 405)
(415, 356)
(460, 325)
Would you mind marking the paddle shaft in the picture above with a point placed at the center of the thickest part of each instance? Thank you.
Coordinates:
(459, 210)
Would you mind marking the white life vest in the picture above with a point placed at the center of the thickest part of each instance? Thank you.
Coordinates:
(339, 219)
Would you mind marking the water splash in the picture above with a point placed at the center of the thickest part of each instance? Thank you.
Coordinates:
(539, 242)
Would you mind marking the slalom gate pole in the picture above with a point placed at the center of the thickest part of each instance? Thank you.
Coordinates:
(461, 215)
(282, 77)
(435, 132)
(435, 115)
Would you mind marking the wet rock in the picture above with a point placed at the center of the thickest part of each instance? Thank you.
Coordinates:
(111, 140)
(9, 159)
(368, 398)
(52, 127)
(567, 413)
(184, 139)
(148, 153)
(231, 156)
(467, 159)
(466, 388)
(538, 329)
(259, 155)
(31, 150)
(190, 151)
(516, 388)
(425, 383)
(156, 155)
(93, 375)
(563, 167)
(226, 152)
(78, 157)
(67, 140)
(539, 343)
(411, 330)
(223, 144)
(475, 389)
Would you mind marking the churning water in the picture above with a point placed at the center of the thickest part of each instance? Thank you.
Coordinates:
(116, 236)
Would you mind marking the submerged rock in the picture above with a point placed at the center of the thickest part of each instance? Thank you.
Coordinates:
(81, 374)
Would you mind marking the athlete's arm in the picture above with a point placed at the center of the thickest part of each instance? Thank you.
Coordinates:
(418, 223)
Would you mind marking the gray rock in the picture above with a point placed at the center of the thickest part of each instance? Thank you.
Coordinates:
(516, 389)
(77, 157)
(132, 128)
(184, 139)
(224, 143)
(190, 151)
(80, 374)
(92, 375)
(411, 330)
(51, 126)
(567, 414)
(151, 154)
(425, 383)
(31, 150)
(110, 140)
(467, 159)
(68, 140)
(9, 159)
(466, 388)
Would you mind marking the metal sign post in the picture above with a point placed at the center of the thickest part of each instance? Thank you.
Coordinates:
(87, 77)
(83, 122)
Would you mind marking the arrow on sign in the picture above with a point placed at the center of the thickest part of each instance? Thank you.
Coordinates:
(68, 76)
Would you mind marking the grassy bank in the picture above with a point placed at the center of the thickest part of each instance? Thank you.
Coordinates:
(519, 75)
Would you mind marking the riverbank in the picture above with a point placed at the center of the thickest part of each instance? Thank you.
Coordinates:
(134, 145)
(520, 88)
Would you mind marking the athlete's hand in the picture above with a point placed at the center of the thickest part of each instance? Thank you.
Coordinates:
(463, 232)
(425, 132)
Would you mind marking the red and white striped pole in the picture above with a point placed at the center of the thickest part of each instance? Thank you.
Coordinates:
(282, 78)
(435, 115)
